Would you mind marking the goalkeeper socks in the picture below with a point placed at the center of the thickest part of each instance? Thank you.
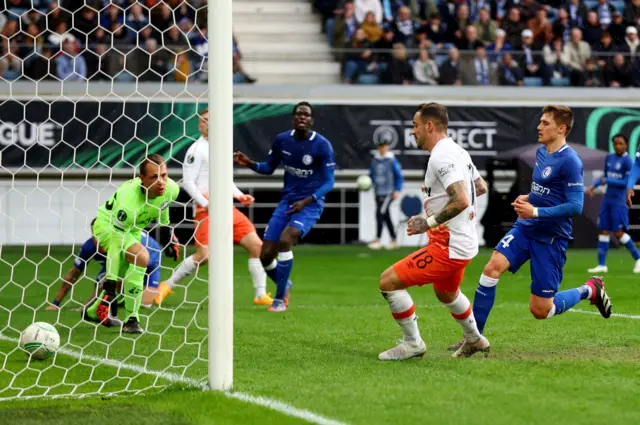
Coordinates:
(283, 271)
(259, 277)
(630, 245)
(484, 299)
(603, 247)
(460, 309)
(133, 287)
(566, 300)
(271, 271)
(404, 311)
(185, 268)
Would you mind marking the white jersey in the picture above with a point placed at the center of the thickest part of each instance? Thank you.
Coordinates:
(448, 164)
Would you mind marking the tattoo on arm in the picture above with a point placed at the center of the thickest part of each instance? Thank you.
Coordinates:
(458, 201)
(481, 186)
(419, 224)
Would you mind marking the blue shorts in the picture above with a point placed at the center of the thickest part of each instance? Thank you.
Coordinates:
(303, 220)
(613, 217)
(547, 260)
(151, 277)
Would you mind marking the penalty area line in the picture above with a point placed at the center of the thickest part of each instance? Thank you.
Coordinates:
(272, 404)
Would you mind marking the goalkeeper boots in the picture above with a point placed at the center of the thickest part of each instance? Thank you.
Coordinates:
(99, 311)
(132, 326)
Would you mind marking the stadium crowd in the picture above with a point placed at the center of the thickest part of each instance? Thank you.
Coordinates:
(486, 42)
(121, 40)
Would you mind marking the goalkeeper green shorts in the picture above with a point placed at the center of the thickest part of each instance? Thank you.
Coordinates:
(116, 243)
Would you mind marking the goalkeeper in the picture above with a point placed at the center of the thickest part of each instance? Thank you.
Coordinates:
(118, 228)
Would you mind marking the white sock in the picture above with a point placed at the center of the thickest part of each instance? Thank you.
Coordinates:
(552, 312)
(461, 310)
(259, 277)
(625, 238)
(183, 270)
(404, 311)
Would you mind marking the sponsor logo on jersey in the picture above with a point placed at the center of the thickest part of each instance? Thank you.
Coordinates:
(538, 189)
(443, 171)
(307, 159)
(298, 172)
(546, 172)
(164, 205)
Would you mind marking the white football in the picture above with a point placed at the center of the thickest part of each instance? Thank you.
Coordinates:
(40, 340)
(364, 182)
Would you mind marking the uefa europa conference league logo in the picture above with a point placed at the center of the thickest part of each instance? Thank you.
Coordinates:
(617, 124)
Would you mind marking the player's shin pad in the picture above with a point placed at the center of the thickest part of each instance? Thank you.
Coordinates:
(133, 287)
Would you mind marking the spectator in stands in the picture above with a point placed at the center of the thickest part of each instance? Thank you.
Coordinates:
(458, 25)
(84, 23)
(240, 76)
(540, 27)
(112, 15)
(37, 18)
(158, 62)
(604, 50)
(3, 21)
(605, 11)
(371, 28)
(425, 69)
(70, 66)
(450, 69)
(631, 43)
(136, 19)
(513, 27)
(499, 9)
(385, 44)
(553, 59)
(509, 73)
(592, 31)
(632, 12)
(404, 28)
(359, 58)
(10, 62)
(61, 35)
(497, 48)
(183, 66)
(593, 75)
(422, 9)
(42, 66)
(617, 28)
(619, 74)
(400, 71)
(174, 39)
(576, 52)
(119, 36)
(562, 25)
(364, 6)
(532, 62)
(56, 15)
(528, 9)
(485, 27)
(10, 28)
(468, 42)
(447, 10)
(437, 30)
(344, 28)
(577, 12)
(161, 19)
(478, 71)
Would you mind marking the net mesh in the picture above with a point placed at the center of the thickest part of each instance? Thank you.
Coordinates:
(90, 88)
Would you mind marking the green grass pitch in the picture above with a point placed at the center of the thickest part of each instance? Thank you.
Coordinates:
(321, 355)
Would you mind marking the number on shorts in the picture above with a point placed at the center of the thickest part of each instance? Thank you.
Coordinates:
(422, 259)
(506, 241)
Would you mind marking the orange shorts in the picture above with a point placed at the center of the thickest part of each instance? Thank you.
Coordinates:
(431, 265)
(241, 226)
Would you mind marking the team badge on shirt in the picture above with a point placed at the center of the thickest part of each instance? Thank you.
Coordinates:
(122, 216)
(307, 160)
(190, 159)
(546, 172)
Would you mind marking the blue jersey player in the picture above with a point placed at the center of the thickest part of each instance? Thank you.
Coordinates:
(307, 159)
(89, 251)
(543, 229)
(614, 212)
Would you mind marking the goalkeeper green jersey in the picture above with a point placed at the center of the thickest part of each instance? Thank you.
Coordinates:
(130, 211)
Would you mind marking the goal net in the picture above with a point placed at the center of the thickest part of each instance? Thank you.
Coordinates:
(87, 91)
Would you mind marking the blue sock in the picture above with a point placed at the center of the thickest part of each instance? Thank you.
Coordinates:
(483, 300)
(283, 271)
(630, 245)
(603, 247)
(271, 271)
(566, 300)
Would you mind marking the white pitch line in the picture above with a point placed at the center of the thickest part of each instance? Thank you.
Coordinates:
(624, 316)
(276, 405)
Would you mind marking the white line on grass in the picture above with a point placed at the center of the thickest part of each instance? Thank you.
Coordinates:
(276, 405)
(625, 316)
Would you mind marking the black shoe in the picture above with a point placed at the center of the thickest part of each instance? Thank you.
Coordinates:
(599, 297)
(132, 326)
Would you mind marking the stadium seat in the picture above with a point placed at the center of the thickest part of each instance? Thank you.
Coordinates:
(560, 82)
(368, 79)
(533, 81)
